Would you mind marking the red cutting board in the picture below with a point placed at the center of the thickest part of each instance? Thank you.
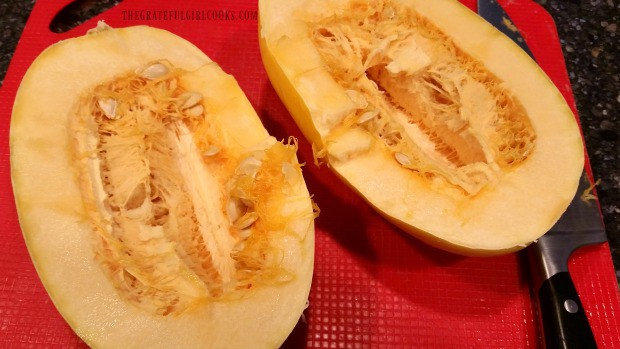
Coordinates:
(374, 286)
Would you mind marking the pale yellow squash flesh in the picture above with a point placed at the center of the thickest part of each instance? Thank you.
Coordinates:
(56, 226)
(508, 213)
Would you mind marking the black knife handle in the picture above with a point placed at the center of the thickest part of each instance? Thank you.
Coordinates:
(564, 320)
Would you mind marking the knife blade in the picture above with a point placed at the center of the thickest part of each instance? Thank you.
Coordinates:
(564, 321)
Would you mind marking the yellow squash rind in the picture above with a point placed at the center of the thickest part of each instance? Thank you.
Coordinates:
(55, 224)
(503, 217)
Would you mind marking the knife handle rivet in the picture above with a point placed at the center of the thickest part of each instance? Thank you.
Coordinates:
(571, 306)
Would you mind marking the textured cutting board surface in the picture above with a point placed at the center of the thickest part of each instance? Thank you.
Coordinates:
(374, 286)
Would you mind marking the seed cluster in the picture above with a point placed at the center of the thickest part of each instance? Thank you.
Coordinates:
(178, 220)
(439, 111)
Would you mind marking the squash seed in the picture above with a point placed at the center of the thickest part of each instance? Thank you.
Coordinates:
(212, 150)
(367, 116)
(249, 166)
(402, 159)
(108, 107)
(357, 98)
(246, 220)
(191, 99)
(154, 71)
(195, 111)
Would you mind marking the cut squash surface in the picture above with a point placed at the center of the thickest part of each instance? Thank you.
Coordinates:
(434, 117)
(157, 209)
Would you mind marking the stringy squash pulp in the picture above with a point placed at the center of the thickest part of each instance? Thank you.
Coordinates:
(157, 209)
(438, 120)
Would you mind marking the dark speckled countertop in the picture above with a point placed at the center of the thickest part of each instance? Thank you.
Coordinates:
(589, 35)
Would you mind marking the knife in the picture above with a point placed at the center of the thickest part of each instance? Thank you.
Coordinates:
(564, 321)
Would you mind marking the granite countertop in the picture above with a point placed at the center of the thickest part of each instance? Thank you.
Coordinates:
(589, 35)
